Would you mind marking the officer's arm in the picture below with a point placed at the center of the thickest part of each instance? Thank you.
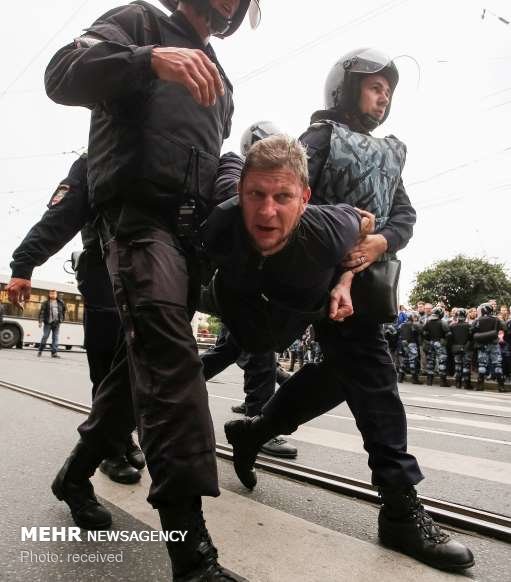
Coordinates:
(227, 178)
(68, 210)
(112, 60)
(399, 227)
(103, 64)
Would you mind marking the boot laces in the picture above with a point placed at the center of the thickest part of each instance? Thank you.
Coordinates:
(209, 554)
(278, 441)
(425, 522)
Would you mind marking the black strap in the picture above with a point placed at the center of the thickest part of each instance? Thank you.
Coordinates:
(151, 27)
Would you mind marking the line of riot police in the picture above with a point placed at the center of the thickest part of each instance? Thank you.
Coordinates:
(436, 344)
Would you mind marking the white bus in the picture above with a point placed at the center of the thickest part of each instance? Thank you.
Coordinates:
(21, 328)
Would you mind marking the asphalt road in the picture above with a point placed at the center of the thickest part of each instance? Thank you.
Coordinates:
(460, 438)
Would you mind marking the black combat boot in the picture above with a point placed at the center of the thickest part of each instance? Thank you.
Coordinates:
(72, 485)
(429, 380)
(458, 381)
(480, 382)
(247, 436)
(119, 470)
(400, 376)
(444, 383)
(194, 559)
(467, 384)
(416, 380)
(134, 454)
(404, 525)
(501, 384)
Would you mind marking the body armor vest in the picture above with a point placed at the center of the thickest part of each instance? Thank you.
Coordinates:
(434, 330)
(158, 146)
(362, 170)
(486, 329)
(461, 336)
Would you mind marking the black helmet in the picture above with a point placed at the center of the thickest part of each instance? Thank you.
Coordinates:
(255, 132)
(438, 312)
(461, 314)
(342, 86)
(221, 26)
(485, 309)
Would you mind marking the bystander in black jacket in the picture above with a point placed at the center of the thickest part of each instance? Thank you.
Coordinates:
(44, 312)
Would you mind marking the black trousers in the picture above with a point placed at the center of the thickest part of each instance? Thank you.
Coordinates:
(260, 370)
(101, 322)
(357, 368)
(168, 399)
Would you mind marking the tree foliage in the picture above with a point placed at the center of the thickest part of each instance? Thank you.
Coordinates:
(214, 325)
(462, 282)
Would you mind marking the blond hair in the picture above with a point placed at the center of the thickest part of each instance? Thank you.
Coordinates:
(275, 152)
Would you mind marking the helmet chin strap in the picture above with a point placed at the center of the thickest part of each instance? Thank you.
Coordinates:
(361, 122)
(218, 23)
(368, 121)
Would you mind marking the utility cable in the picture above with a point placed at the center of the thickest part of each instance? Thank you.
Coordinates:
(41, 50)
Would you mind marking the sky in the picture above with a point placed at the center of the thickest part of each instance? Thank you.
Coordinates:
(452, 108)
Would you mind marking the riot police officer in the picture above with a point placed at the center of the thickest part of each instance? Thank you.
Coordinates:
(436, 334)
(69, 213)
(461, 348)
(347, 164)
(486, 340)
(161, 108)
(410, 336)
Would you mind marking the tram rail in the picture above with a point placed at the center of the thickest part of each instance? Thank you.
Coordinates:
(452, 514)
(471, 412)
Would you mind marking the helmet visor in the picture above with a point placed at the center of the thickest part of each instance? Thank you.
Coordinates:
(254, 13)
(368, 61)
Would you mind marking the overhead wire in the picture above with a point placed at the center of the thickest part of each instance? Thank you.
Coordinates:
(458, 167)
(78, 152)
(373, 13)
(32, 60)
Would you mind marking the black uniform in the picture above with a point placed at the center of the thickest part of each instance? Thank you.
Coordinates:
(152, 148)
(461, 348)
(68, 213)
(357, 367)
(436, 333)
(485, 331)
(410, 337)
(260, 370)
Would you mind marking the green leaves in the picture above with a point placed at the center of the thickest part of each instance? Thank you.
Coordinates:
(463, 282)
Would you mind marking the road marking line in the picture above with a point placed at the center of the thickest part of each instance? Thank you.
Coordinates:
(440, 460)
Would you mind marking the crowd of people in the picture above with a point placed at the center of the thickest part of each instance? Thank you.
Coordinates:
(463, 343)
(416, 352)
(307, 217)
